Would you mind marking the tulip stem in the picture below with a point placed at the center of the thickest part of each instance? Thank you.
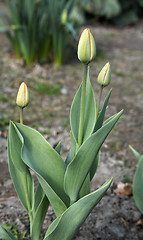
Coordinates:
(98, 102)
(28, 203)
(21, 115)
(82, 105)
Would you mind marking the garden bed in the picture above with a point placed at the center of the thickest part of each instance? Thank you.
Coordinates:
(116, 217)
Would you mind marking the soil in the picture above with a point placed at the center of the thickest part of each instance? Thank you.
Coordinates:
(116, 217)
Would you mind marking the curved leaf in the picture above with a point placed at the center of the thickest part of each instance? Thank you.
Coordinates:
(136, 154)
(58, 148)
(94, 166)
(102, 113)
(66, 227)
(78, 169)
(38, 154)
(72, 150)
(21, 181)
(89, 114)
(39, 217)
(47, 164)
(138, 185)
(57, 204)
(15, 145)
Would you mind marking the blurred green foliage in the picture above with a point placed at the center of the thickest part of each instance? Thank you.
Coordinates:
(15, 231)
(119, 12)
(38, 29)
(43, 30)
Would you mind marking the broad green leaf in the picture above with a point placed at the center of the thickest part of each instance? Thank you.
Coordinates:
(102, 113)
(89, 114)
(23, 183)
(78, 169)
(94, 166)
(39, 194)
(15, 145)
(58, 148)
(47, 164)
(38, 154)
(39, 217)
(109, 119)
(57, 204)
(5, 234)
(97, 126)
(138, 185)
(136, 154)
(72, 151)
(85, 189)
(52, 226)
(66, 227)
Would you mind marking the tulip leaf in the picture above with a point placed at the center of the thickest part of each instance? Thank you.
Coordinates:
(102, 113)
(85, 189)
(57, 204)
(58, 148)
(68, 224)
(72, 150)
(39, 217)
(52, 226)
(39, 194)
(89, 113)
(23, 182)
(94, 166)
(78, 169)
(5, 234)
(136, 154)
(15, 145)
(47, 164)
(137, 185)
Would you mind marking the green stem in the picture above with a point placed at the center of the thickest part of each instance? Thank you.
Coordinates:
(82, 106)
(98, 103)
(28, 204)
(21, 115)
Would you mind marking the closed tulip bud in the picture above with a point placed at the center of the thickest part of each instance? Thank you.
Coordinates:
(22, 99)
(64, 17)
(86, 47)
(104, 76)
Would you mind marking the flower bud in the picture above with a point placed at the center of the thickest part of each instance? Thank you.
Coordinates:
(86, 47)
(104, 76)
(64, 17)
(22, 99)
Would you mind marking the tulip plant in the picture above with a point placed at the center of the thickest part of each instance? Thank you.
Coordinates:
(138, 181)
(38, 30)
(65, 185)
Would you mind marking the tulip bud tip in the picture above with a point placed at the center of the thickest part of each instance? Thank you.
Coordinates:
(86, 47)
(22, 99)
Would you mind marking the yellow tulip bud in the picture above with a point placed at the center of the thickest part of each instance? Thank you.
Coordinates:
(22, 99)
(104, 76)
(64, 17)
(86, 47)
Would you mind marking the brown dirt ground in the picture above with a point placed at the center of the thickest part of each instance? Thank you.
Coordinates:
(115, 217)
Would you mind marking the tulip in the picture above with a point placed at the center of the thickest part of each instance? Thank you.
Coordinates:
(64, 17)
(104, 76)
(22, 96)
(86, 47)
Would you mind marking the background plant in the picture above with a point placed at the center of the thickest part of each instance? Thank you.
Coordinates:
(38, 30)
(118, 12)
(63, 184)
